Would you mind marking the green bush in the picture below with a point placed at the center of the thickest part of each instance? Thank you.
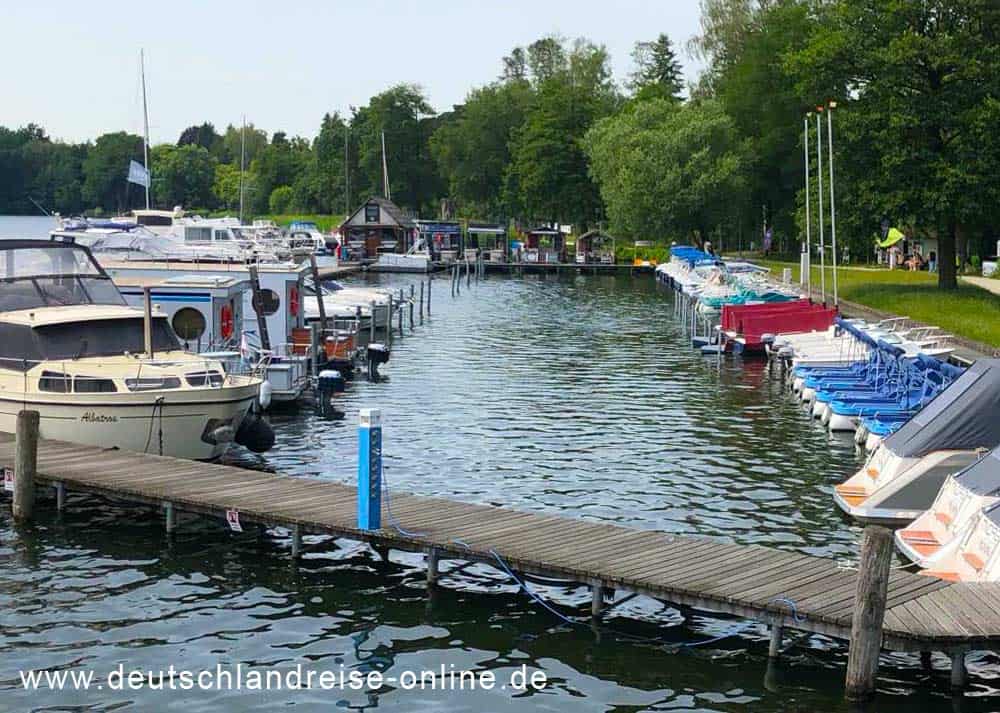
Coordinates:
(281, 199)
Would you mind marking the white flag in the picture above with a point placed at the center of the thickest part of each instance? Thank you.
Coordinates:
(137, 173)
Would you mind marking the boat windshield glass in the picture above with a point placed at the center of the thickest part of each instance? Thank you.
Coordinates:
(53, 276)
(102, 337)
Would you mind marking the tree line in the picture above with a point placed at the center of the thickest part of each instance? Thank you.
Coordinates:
(555, 139)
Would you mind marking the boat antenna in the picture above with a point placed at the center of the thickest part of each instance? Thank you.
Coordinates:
(243, 160)
(145, 122)
(385, 172)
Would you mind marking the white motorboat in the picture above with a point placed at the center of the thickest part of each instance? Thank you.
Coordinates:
(976, 555)
(902, 477)
(100, 372)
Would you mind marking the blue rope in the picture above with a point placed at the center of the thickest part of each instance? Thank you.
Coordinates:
(791, 605)
(393, 522)
(529, 592)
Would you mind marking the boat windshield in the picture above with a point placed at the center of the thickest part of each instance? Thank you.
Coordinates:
(54, 275)
(103, 337)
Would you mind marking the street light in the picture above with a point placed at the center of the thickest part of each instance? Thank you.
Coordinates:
(833, 210)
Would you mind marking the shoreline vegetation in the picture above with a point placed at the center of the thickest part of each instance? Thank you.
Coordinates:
(643, 156)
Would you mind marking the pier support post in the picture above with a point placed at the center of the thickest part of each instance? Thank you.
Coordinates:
(432, 566)
(296, 541)
(60, 495)
(25, 464)
(388, 323)
(412, 300)
(401, 298)
(774, 648)
(371, 322)
(959, 673)
(421, 302)
(430, 283)
(869, 612)
(169, 517)
(596, 599)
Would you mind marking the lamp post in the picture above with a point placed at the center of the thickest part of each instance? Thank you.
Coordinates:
(819, 170)
(807, 262)
(833, 210)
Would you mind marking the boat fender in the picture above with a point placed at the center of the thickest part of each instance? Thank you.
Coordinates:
(264, 397)
(255, 433)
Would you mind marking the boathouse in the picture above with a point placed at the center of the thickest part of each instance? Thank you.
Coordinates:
(378, 226)
(490, 239)
(545, 245)
(595, 246)
(442, 238)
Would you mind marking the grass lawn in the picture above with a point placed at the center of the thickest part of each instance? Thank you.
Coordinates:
(970, 311)
(325, 223)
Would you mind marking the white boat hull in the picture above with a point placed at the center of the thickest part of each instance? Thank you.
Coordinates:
(133, 422)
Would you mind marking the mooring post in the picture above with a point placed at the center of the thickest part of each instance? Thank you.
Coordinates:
(169, 517)
(468, 273)
(430, 283)
(388, 322)
(296, 541)
(452, 275)
(458, 278)
(401, 301)
(370, 469)
(869, 612)
(959, 673)
(25, 464)
(596, 599)
(371, 323)
(432, 566)
(60, 495)
(412, 300)
(774, 648)
(421, 302)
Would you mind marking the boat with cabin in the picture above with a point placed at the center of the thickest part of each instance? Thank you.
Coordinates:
(101, 372)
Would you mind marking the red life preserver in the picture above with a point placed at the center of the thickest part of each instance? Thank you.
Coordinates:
(293, 301)
(226, 319)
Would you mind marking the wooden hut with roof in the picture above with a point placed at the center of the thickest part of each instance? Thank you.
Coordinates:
(377, 226)
(595, 247)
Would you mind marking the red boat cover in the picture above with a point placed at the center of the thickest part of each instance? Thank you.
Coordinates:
(754, 321)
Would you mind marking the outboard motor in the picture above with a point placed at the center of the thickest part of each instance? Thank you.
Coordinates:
(255, 433)
(377, 354)
(329, 383)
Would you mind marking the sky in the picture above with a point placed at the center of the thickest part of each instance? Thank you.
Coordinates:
(73, 67)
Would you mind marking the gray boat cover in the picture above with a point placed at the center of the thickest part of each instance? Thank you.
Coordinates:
(983, 476)
(966, 415)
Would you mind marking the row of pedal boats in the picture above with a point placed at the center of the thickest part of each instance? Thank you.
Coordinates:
(931, 431)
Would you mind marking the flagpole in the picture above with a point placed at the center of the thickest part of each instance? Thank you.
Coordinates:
(808, 261)
(833, 209)
(145, 123)
(243, 158)
(822, 245)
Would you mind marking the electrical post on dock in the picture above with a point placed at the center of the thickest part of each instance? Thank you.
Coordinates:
(370, 469)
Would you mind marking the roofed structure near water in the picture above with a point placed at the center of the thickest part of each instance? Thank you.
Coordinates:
(378, 225)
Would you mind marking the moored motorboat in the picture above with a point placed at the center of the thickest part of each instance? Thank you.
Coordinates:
(100, 372)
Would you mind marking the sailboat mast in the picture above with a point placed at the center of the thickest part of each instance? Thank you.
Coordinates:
(385, 171)
(145, 123)
(243, 160)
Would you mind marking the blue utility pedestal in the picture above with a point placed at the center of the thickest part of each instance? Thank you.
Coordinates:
(370, 469)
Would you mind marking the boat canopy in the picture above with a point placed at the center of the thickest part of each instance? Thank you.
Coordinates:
(962, 417)
(983, 476)
(46, 273)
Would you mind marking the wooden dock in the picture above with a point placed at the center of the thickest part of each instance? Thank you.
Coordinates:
(784, 589)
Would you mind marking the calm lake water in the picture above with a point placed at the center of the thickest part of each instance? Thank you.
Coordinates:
(570, 395)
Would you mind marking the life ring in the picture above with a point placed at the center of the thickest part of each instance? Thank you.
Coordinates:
(226, 319)
(293, 301)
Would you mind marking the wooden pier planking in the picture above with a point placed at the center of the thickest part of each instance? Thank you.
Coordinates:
(743, 580)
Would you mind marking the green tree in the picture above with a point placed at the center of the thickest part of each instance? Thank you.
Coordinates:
(668, 170)
(204, 135)
(917, 82)
(105, 170)
(226, 186)
(657, 69)
(473, 149)
(280, 201)
(253, 141)
(183, 175)
(279, 164)
(327, 172)
(412, 174)
(548, 177)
